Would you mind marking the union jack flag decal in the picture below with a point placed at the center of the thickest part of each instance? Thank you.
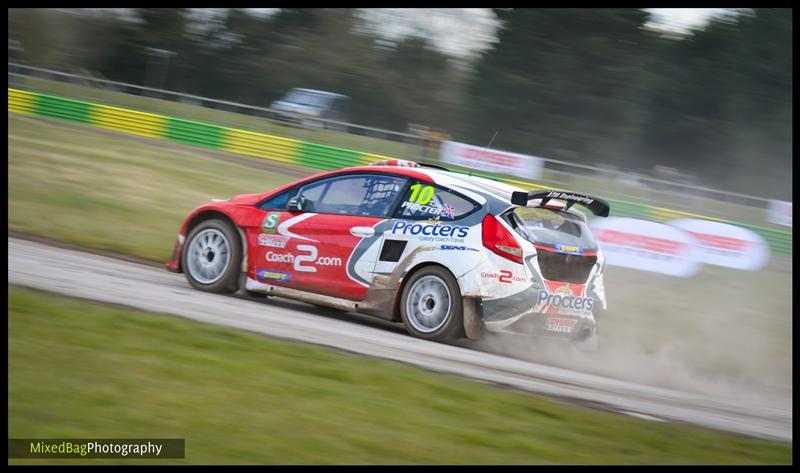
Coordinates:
(448, 211)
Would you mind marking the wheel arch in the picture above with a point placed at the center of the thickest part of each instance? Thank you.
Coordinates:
(210, 215)
(416, 268)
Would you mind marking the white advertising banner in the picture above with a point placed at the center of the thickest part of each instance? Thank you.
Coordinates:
(780, 212)
(726, 245)
(646, 246)
(491, 160)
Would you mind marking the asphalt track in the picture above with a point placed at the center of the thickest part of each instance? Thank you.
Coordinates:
(110, 280)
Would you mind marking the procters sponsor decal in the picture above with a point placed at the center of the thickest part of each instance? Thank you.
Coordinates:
(504, 276)
(563, 300)
(646, 246)
(272, 275)
(725, 245)
(435, 232)
(275, 241)
(306, 261)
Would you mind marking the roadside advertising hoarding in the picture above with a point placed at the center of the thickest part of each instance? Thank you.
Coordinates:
(725, 245)
(780, 212)
(646, 246)
(491, 160)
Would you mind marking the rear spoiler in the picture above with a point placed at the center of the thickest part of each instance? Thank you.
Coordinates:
(598, 207)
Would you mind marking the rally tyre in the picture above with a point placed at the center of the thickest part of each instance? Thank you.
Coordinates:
(212, 257)
(591, 344)
(431, 305)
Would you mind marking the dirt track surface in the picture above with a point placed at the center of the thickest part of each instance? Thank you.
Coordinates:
(100, 278)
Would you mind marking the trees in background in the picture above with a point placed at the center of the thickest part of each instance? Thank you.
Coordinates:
(721, 103)
(581, 85)
(564, 83)
(593, 86)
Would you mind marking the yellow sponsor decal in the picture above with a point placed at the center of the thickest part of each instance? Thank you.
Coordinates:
(575, 250)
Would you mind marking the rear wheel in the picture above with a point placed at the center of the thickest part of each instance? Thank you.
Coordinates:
(431, 305)
(590, 344)
(212, 257)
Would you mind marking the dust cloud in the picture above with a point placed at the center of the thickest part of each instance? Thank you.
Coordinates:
(723, 333)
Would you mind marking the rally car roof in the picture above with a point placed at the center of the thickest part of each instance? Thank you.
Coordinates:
(499, 190)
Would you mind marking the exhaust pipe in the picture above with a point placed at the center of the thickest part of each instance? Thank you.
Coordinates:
(584, 334)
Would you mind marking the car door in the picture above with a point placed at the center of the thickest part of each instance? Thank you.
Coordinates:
(310, 249)
(424, 218)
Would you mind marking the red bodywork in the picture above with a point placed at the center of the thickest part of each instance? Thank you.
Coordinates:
(324, 238)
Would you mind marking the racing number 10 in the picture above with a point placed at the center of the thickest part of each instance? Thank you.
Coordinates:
(421, 194)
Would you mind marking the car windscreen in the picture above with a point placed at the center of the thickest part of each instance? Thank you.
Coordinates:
(553, 228)
(308, 98)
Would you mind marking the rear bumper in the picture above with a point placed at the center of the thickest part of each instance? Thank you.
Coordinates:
(536, 324)
(516, 314)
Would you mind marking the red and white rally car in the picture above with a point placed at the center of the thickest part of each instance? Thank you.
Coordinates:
(447, 254)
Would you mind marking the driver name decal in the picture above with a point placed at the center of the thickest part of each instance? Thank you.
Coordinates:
(425, 209)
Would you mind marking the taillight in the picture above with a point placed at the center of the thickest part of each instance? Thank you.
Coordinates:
(497, 238)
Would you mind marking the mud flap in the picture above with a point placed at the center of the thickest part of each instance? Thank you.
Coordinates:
(473, 318)
(243, 288)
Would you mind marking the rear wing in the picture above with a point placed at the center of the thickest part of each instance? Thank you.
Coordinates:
(598, 207)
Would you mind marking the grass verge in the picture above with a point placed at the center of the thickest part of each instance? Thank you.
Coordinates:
(79, 370)
(111, 192)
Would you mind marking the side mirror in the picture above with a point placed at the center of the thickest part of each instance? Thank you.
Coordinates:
(297, 204)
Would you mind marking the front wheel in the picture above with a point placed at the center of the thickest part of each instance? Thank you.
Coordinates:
(431, 305)
(212, 257)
